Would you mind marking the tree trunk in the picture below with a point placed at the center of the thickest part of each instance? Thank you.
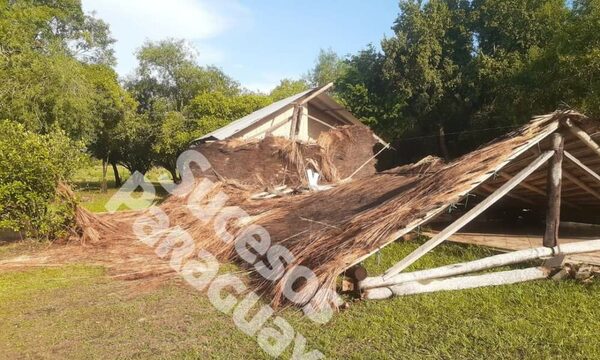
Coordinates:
(118, 182)
(103, 186)
(443, 146)
(174, 176)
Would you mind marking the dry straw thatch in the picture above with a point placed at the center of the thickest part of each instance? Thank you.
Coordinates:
(329, 231)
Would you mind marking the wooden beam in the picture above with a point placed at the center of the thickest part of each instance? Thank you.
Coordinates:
(470, 215)
(458, 283)
(524, 184)
(273, 128)
(490, 262)
(315, 94)
(554, 187)
(531, 187)
(491, 189)
(582, 166)
(583, 136)
(581, 184)
(321, 121)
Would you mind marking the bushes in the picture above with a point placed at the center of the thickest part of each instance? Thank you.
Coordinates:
(31, 167)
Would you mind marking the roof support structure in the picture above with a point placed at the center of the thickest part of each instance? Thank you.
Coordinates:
(582, 166)
(437, 211)
(469, 216)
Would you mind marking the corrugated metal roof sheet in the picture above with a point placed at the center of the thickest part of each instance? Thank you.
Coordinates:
(250, 119)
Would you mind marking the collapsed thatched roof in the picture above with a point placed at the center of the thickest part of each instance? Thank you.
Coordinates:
(332, 230)
(354, 220)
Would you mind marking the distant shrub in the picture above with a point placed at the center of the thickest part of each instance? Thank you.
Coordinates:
(31, 166)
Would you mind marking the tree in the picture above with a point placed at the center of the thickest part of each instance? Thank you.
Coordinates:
(175, 136)
(328, 68)
(287, 88)
(513, 39)
(369, 95)
(135, 136)
(113, 104)
(31, 166)
(168, 72)
(46, 50)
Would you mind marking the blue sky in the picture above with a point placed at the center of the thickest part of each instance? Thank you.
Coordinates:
(256, 42)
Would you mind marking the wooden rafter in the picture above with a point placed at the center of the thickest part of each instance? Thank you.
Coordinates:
(583, 136)
(491, 189)
(315, 94)
(321, 121)
(582, 166)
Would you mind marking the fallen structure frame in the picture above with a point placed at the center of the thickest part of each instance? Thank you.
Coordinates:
(396, 283)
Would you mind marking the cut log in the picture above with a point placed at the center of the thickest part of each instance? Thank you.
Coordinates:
(358, 273)
(490, 262)
(583, 136)
(470, 215)
(459, 283)
(296, 115)
(553, 188)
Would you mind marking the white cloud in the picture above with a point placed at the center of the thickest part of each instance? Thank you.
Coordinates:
(134, 21)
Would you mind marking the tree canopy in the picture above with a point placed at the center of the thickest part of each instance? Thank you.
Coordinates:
(475, 68)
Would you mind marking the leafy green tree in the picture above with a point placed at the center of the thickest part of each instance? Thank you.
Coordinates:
(112, 104)
(369, 95)
(135, 136)
(226, 107)
(328, 68)
(175, 136)
(46, 48)
(31, 166)
(287, 88)
(168, 72)
(513, 39)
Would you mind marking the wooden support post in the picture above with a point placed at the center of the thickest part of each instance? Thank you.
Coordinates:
(296, 117)
(470, 215)
(553, 188)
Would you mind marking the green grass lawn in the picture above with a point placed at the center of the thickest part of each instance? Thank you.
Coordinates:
(79, 312)
(87, 185)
